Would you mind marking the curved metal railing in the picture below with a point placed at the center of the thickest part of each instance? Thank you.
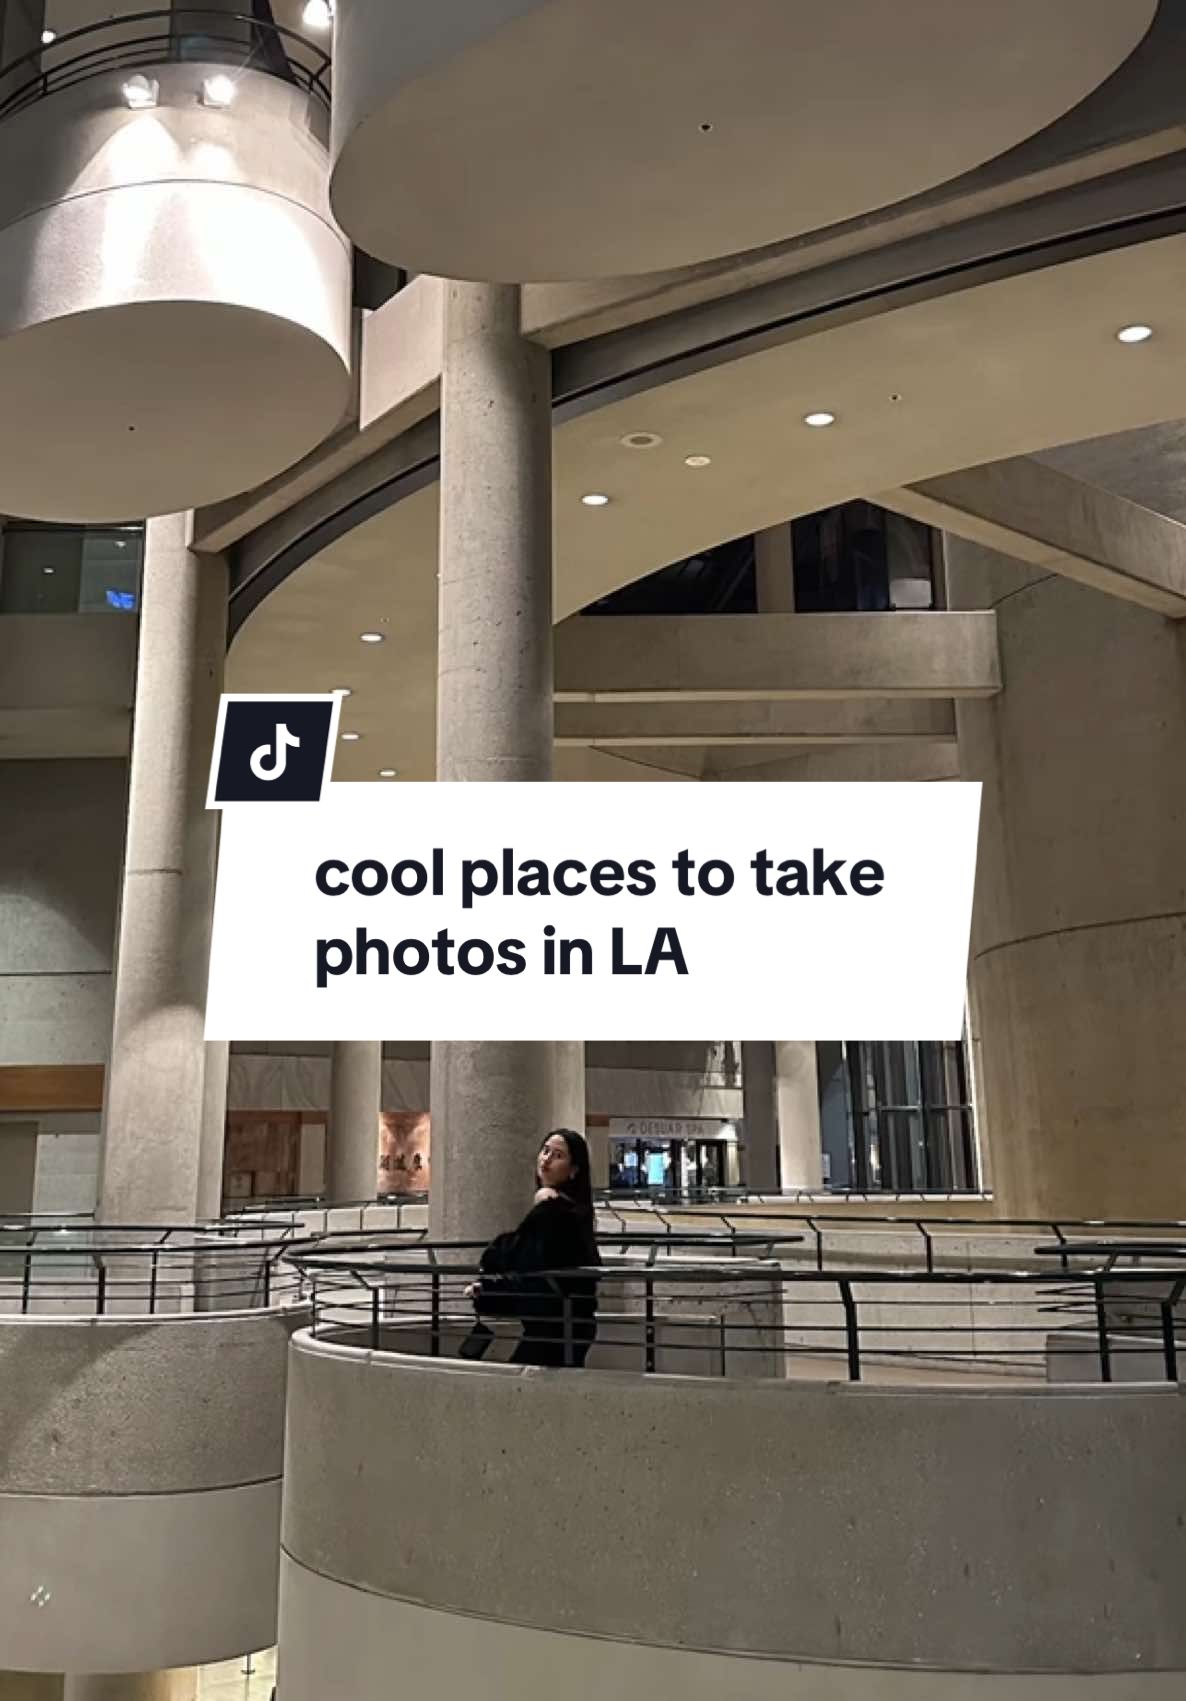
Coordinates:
(730, 1304)
(76, 1268)
(139, 40)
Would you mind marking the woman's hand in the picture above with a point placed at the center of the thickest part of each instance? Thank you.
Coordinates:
(543, 1194)
(472, 1289)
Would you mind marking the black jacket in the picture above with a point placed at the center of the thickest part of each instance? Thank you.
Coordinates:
(553, 1236)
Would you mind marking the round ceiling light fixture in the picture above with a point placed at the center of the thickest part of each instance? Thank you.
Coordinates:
(371, 637)
(389, 773)
(342, 691)
(819, 419)
(318, 15)
(351, 737)
(1134, 334)
(641, 440)
(141, 93)
(218, 91)
(595, 499)
(697, 460)
(48, 36)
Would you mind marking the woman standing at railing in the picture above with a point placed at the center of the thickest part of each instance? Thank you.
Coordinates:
(559, 1313)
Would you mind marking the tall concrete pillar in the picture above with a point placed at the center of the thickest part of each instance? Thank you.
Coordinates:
(152, 1122)
(800, 1139)
(774, 569)
(759, 1168)
(492, 1103)
(133, 1686)
(1078, 969)
(352, 1139)
(568, 1093)
(212, 1154)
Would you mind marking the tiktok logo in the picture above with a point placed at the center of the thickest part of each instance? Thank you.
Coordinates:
(273, 749)
(269, 767)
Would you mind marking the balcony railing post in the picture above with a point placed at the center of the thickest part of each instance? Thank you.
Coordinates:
(1101, 1329)
(648, 1324)
(435, 1342)
(26, 1282)
(852, 1332)
(375, 1319)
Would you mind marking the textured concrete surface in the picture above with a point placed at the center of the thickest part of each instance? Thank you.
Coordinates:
(1078, 965)
(134, 1686)
(346, 1643)
(165, 1407)
(153, 1114)
(352, 1136)
(1000, 1530)
(110, 1584)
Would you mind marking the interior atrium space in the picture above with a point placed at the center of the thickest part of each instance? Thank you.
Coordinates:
(594, 394)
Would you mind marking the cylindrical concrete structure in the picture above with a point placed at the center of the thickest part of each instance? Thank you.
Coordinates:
(1078, 971)
(568, 1090)
(153, 1114)
(212, 1151)
(759, 1152)
(492, 1103)
(355, 1095)
(800, 1143)
(134, 1686)
(774, 570)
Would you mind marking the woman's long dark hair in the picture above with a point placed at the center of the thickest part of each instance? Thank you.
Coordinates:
(578, 1189)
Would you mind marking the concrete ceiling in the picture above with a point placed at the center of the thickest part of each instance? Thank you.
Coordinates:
(1147, 466)
(1008, 367)
(587, 138)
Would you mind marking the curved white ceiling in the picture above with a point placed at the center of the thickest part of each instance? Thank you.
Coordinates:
(514, 139)
(1004, 368)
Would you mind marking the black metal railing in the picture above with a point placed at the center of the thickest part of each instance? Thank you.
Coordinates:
(674, 1303)
(73, 1268)
(138, 41)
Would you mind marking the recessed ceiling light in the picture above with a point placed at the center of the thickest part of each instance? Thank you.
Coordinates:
(351, 737)
(595, 499)
(49, 569)
(141, 92)
(318, 15)
(641, 440)
(1134, 334)
(342, 691)
(371, 637)
(389, 773)
(697, 460)
(218, 90)
(819, 419)
(47, 36)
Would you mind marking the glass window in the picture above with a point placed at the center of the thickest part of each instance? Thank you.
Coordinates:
(911, 1118)
(70, 569)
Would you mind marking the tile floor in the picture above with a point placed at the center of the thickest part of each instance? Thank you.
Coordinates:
(231, 1683)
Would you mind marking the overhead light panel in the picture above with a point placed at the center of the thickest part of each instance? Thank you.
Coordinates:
(697, 460)
(371, 637)
(595, 499)
(218, 90)
(1134, 334)
(141, 92)
(818, 420)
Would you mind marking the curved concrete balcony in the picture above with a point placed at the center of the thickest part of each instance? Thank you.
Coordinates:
(483, 1529)
(162, 268)
(515, 139)
(142, 1413)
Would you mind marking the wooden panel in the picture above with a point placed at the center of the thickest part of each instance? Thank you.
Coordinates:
(60, 1086)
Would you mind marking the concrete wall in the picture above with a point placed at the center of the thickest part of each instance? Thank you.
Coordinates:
(139, 1490)
(60, 855)
(980, 1531)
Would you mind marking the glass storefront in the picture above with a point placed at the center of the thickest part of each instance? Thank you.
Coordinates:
(897, 1116)
(672, 1156)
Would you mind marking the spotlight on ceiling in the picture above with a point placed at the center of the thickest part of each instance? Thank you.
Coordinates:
(1134, 334)
(820, 419)
(342, 691)
(351, 737)
(697, 460)
(218, 90)
(595, 499)
(47, 36)
(318, 14)
(641, 440)
(389, 773)
(371, 637)
(141, 92)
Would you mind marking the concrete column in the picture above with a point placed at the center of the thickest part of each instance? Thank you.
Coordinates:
(352, 1141)
(759, 1156)
(133, 1686)
(800, 1140)
(212, 1154)
(568, 1071)
(492, 1103)
(1078, 964)
(774, 570)
(152, 1123)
